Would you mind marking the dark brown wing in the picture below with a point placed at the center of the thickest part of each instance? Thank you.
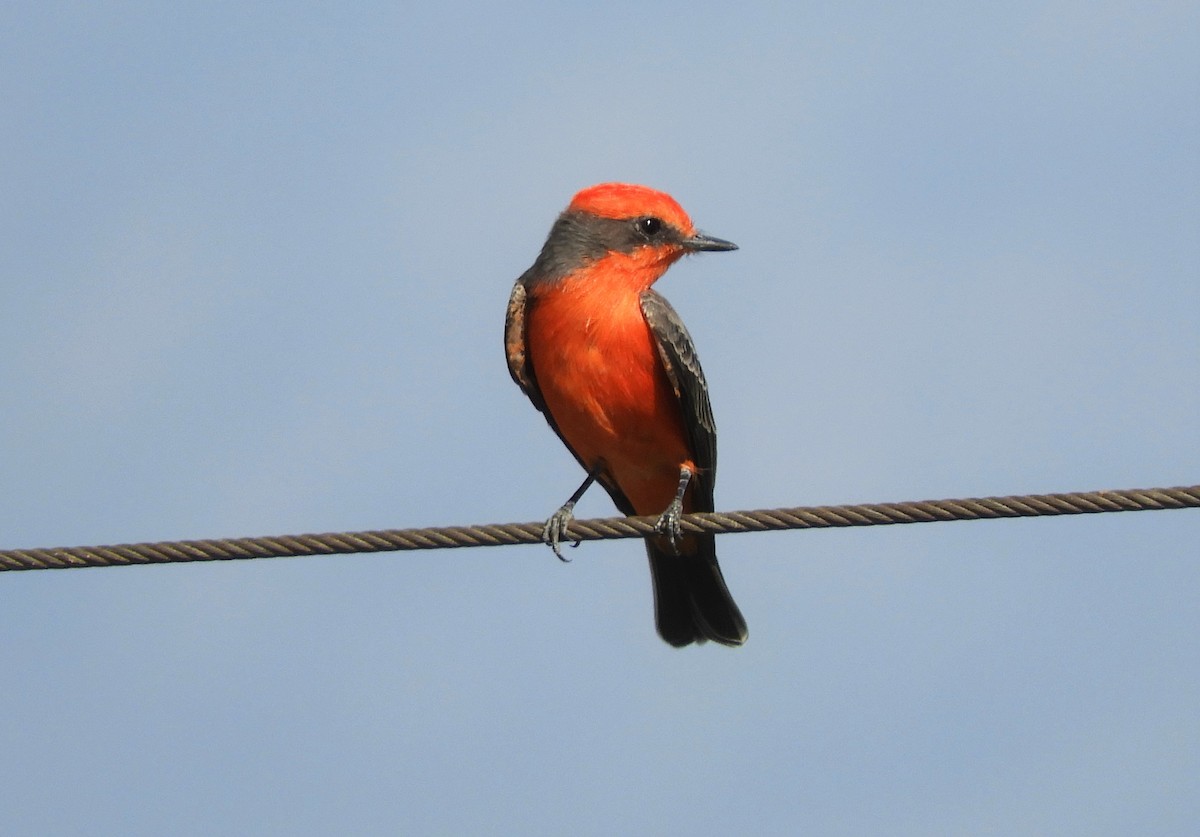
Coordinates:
(691, 600)
(515, 349)
(678, 355)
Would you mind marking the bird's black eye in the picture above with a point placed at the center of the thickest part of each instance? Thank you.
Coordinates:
(649, 226)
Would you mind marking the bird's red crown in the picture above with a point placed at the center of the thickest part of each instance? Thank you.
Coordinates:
(628, 200)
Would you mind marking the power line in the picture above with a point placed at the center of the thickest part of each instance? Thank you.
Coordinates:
(507, 534)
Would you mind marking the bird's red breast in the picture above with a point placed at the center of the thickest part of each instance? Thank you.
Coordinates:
(602, 379)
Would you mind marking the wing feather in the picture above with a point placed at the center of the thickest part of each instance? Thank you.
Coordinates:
(678, 355)
(515, 346)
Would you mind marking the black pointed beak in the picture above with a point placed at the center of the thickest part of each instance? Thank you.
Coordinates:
(700, 242)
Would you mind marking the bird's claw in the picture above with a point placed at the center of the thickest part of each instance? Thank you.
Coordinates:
(555, 530)
(668, 525)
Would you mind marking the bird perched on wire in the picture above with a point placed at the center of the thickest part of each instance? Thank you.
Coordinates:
(609, 363)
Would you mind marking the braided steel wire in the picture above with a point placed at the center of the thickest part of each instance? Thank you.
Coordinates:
(507, 534)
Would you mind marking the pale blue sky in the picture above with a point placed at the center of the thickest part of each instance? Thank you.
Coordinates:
(253, 271)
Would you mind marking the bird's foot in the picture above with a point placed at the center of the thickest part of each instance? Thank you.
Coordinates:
(668, 524)
(555, 530)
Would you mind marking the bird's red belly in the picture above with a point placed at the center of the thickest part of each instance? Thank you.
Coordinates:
(604, 385)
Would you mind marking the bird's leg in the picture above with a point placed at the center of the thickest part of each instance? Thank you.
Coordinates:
(555, 529)
(668, 523)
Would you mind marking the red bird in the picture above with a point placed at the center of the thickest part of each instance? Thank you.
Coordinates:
(611, 366)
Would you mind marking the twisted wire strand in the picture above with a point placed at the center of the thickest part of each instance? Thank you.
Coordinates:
(507, 534)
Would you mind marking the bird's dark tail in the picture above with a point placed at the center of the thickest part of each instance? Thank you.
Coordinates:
(691, 601)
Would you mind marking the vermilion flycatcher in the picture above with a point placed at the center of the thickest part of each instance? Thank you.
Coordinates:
(611, 366)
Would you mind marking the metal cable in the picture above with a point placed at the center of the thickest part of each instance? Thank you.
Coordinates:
(761, 520)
